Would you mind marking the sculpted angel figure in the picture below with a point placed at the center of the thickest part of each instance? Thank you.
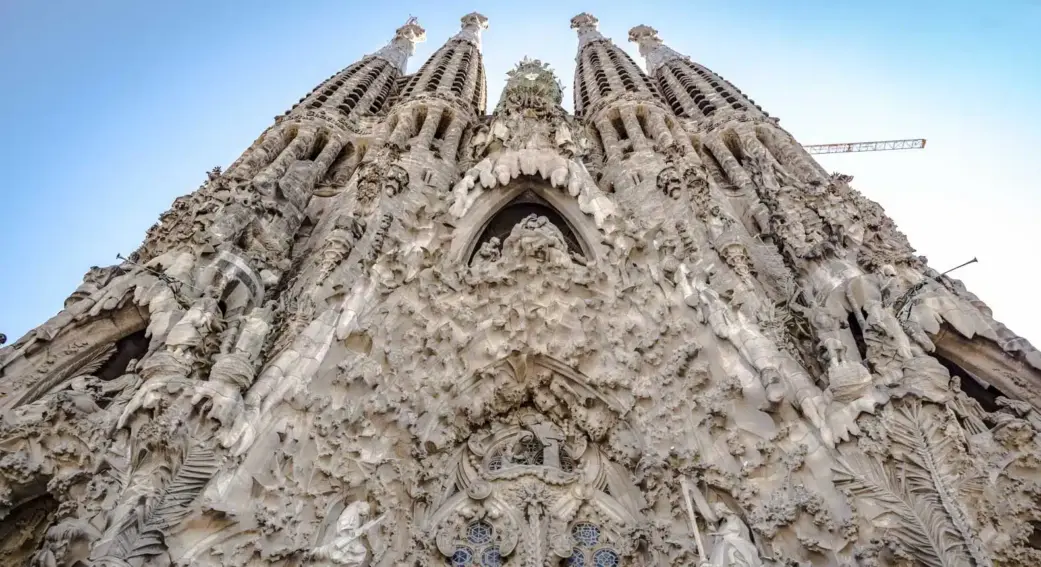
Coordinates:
(733, 545)
(346, 547)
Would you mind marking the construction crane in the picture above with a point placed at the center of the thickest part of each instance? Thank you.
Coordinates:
(884, 145)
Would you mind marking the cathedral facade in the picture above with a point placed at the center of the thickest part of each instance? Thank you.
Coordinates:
(406, 329)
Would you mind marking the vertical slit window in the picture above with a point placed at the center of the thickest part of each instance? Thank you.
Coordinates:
(442, 125)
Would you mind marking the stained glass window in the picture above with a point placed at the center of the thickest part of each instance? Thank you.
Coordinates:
(479, 549)
(588, 551)
(585, 535)
(491, 557)
(605, 558)
(463, 557)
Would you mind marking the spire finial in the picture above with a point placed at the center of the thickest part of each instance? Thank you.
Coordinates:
(588, 28)
(646, 37)
(411, 32)
(653, 49)
(472, 24)
(404, 44)
(585, 20)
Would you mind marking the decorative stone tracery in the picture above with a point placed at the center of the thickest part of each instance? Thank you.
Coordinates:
(399, 332)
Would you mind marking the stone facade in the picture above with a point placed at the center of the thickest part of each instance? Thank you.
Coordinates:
(400, 331)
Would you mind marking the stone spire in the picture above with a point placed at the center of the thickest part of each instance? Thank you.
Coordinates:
(691, 89)
(653, 49)
(365, 87)
(602, 69)
(455, 69)
(403, 45)
(473, 23)
(588, 28)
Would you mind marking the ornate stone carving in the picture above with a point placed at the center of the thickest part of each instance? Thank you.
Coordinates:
(529, 135)
(345, 546)
(703, 350)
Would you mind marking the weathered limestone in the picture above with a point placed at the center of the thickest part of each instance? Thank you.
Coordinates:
(400, 332)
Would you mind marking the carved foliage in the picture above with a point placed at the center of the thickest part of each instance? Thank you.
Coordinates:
(916, 494)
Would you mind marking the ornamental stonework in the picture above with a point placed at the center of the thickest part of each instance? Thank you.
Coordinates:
(399, 330)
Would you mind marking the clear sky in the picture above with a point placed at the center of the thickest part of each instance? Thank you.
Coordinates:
(113, 108)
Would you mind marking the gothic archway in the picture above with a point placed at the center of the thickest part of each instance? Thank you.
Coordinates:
(521, 207)
(531, 195)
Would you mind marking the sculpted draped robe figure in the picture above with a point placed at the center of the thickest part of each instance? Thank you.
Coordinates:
(733, 545)
(345, 547)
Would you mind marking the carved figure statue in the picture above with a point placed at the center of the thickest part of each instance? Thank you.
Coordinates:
(732, 546)
(887, 344)
(536, 237)
(197, 323)
(345, 546)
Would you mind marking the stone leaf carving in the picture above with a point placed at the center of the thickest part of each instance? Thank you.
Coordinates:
(917, 496)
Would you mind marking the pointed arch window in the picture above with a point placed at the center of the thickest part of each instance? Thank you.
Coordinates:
(502, 223)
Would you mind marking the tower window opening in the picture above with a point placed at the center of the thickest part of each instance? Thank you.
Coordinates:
(641, 119)
(619, 128)
(623, 72)
(714, 168)
(338, 171)
(417, 124)
(133, 346)
(365, 83)
(442, 124)
(599, 140)
(385, 90)
(478, 87)
(731, 141)
(459, 84)
(598, 72)
(603, 85)
(767, 141)
(1034, 540)
(319, 144)
(583, 94)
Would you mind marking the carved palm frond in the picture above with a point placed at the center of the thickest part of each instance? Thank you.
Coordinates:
(95, 362)
(914, 519)
(143, 534)
(930, 464)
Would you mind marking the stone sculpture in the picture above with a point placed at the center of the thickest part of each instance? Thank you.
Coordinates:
(345, 546)
(525, 338)
(732, 545)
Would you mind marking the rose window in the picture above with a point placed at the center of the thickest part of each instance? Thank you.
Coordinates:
(587, 551)
(479, 549)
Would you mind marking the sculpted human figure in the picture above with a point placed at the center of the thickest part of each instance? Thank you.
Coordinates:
(732, 545)
(887, 344)
(197, 323)
(345, 546)
(537, 238)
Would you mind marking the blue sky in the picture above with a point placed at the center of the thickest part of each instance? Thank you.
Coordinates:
(118, 106)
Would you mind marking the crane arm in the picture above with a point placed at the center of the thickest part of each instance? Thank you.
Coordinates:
(914, 144)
